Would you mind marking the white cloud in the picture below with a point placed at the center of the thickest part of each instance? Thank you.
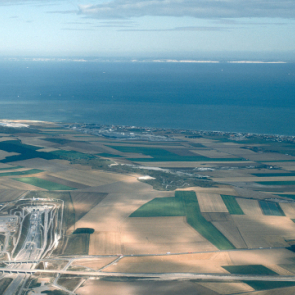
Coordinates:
(194, 8)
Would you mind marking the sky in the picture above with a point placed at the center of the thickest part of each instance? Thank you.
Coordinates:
(148, 28)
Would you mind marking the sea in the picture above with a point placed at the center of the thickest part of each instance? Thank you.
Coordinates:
(231, 97)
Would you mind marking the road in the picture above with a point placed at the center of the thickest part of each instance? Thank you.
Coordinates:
(158, 276)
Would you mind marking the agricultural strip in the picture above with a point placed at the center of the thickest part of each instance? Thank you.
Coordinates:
(199, 223)
(273, 174)
(232, 205)
(27, 172)
(51, 186)
(257, 270)
(160, 207)
(277, 182)
(161, 155)
(270, 208)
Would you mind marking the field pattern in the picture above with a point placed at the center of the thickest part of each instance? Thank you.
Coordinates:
(199, 223)
(161, 155)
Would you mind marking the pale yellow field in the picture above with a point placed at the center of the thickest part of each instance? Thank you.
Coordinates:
(5, 138)
(47, 150)
(189, 164)
(4, 154)
(289, 209)
(250, 207)
(93, 263)
(161, 235)
(14, 184)
(211, 153)
(270, 157)
(211, 202)
(104, 243)
(196, 263)
(103, 287)
(7, 195)
(228, 288)
(91, 178)
(230, 230)
(35, 141)
(263, 257)
(280, 291)
(254, 179)
(265, 231)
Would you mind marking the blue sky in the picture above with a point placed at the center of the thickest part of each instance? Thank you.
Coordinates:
(143, 28)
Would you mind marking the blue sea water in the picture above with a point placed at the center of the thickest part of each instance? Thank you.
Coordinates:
(257, 98)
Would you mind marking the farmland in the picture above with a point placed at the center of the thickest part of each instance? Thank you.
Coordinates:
(148, 201)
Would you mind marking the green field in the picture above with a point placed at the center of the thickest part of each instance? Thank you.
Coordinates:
(199, 223)
(292, 182)
(160, 207)
(258, 270)
(49, 185)
(26, 172)
(270, 208)
(161, 155)
(232, 205)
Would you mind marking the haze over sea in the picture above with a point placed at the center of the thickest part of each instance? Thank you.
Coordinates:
(256, 98)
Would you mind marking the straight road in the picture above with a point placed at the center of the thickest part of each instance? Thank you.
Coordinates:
(159, 276)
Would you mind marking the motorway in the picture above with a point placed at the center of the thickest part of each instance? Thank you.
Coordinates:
(157, 276)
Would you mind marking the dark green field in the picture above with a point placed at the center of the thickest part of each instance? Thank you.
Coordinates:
(29, 152)
(232, 205)
(108, 155)
(292, 182)
(161, 155)
(199, 223)
(160, 207)
(270, 208)
(258, 270)
(49, 185)
(273, 174)
(27, 172)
